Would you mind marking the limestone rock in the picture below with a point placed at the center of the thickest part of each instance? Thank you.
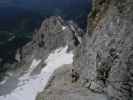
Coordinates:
(53, 33)
(104, 57)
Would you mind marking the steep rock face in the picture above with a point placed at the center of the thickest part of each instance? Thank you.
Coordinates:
(104, 59)
(53, 33)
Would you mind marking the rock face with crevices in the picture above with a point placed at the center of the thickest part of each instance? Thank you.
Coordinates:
(102, 64)
(103, 57)
(104, 60)
(53, 33)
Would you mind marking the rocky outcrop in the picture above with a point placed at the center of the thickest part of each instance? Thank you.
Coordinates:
(104, 58)
(53, 33)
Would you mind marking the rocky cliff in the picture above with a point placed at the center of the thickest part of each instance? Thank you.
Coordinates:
(102, 67)
(104, 60)
(53, 33)
(103, 56)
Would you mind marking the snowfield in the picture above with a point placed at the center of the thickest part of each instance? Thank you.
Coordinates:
(29, 86)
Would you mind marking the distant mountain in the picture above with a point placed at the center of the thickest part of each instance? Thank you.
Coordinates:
(54, 33)
(26, 15)
(21, 18)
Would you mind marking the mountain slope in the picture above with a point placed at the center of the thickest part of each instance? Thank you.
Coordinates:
(29, 85)
(102, 65)
(51, 47)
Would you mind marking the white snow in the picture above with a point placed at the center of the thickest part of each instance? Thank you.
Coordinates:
(4, 81)
(30, 86)
(34, 64)
(79, 39)
(63, 27)
(8, 75)
(10, 39)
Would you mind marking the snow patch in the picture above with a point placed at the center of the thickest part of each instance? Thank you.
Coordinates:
(10, 39)
(57, 59)
(30, 86)
(34, 64)
(9, 74)
(63, 27)
(4, 81)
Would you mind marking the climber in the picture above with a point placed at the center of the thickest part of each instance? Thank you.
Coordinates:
(75, 76)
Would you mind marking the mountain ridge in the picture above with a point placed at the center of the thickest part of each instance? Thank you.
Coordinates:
(103, 55)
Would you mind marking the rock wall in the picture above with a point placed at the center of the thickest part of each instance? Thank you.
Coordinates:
(104, 59)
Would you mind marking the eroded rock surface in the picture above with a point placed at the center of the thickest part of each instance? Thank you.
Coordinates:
(103, 60)
(50, 48)
(53, 33)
